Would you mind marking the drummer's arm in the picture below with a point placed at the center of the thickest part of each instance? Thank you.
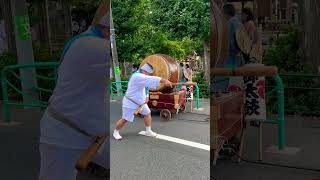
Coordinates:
(154, 81)
(166, 82)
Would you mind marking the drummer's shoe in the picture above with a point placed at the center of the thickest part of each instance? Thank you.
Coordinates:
(117, 135)
(151, 133)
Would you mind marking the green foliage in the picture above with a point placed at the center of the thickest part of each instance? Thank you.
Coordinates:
(42, 53)
(183, 18)
(145, 27)
(286, 55)
(203, 86)
(7, 58)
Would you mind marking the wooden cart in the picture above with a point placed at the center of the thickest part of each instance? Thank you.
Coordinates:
(168, 103)
(226, 120)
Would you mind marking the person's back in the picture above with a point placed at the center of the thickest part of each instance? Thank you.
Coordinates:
(80, 93)
(255, 55)
(233, 25)
(77, 115)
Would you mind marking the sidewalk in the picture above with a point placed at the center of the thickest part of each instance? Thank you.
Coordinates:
(302, 134)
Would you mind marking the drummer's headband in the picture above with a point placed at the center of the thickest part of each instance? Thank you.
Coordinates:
(147, 67)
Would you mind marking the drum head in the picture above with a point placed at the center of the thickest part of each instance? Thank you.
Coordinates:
(165, 67)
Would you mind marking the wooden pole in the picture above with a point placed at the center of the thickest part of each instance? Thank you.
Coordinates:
(246, 71)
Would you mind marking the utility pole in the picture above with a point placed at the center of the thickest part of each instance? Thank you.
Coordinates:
(24, 46)
(115, 55)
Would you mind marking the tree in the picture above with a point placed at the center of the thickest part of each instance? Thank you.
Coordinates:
(189, 18)
(309, 25)
(172, 27)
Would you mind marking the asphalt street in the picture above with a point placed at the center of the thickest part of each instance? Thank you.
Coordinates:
(138, 157)
(135, 157)
(19, 149)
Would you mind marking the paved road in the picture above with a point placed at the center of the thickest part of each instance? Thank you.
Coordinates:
(19, 153)
(131, 158)
(138, 157)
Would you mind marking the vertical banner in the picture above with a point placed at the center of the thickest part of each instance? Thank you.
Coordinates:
(255, 102)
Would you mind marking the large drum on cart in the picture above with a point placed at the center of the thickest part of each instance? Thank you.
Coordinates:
(165, 67)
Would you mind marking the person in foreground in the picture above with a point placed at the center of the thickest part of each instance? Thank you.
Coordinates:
(78, 108)
(136, 97)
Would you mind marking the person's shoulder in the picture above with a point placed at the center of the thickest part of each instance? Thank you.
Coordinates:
(137, 75)
(92, 44)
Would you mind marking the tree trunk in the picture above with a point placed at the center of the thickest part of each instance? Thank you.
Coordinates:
(206, 48)
(44, 25)
(309, 12)
(66, 4)
(6, 11)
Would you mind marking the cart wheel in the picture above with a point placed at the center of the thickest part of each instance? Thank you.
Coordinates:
(165, 115)
(183, 108)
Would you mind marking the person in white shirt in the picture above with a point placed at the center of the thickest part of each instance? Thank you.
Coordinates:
(136, 96)
(79, 98)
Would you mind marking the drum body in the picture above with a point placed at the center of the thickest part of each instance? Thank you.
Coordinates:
(165, 67)
(219, 36)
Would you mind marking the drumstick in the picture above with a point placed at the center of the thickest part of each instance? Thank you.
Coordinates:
(136, 112)
(87, 156)
(184, 84)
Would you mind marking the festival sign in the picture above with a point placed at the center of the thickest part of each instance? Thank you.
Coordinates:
(254, 88)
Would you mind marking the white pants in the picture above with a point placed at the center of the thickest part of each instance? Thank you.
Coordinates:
(128, 113)
(58, 163)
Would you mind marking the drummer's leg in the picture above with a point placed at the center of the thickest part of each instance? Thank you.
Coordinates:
(127, 115)
(146, 112)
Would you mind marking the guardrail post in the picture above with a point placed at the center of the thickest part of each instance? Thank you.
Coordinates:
(6, 109)
(281, 122)
(197, 96)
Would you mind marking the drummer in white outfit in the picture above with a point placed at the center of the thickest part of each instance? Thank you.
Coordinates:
(136, 96)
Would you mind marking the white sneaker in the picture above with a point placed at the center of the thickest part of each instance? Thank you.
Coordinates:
(151, 133)
(116, 135)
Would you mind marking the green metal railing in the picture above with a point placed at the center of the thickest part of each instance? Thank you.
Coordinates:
(302, 94)
(280, 121)
(124, 85)
(11, 84)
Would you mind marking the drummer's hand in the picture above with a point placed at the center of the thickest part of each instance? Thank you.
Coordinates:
(166, 82)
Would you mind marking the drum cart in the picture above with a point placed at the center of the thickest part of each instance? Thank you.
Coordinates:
(168, 103)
